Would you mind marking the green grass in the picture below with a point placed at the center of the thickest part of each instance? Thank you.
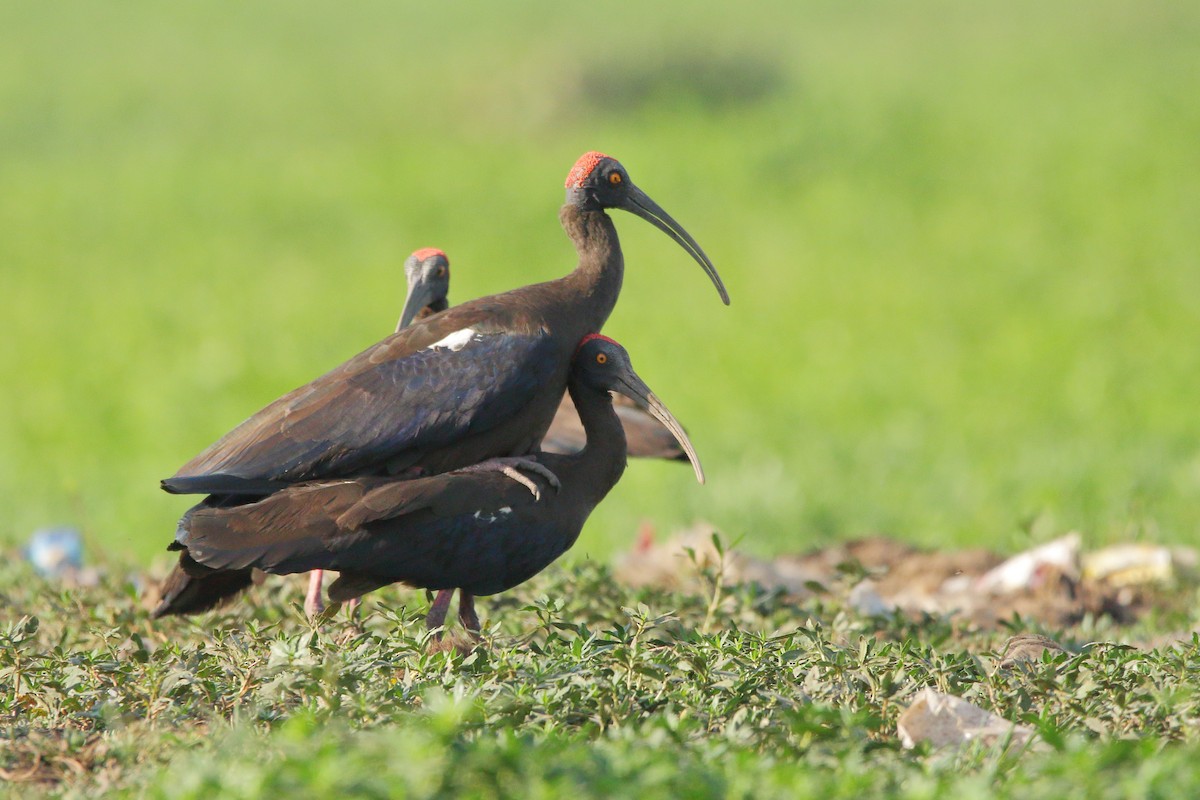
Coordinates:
(583, 688)
(961, 245)
(960, 242)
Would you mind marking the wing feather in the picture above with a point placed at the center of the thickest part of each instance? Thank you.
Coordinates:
(406, 393)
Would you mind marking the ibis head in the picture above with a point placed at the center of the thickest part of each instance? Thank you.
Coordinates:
(603, 364)
(599, 182)
(428, 274)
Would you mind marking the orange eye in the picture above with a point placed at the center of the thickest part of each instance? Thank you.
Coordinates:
(441, 271)
(601, 358)
(615, 179)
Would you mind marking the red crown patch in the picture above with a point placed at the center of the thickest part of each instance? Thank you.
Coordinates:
(599, 336)
(583, 167)
(428, 252)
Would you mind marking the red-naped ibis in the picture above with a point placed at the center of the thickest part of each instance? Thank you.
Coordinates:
(427, 272)
(474, 531)
(479, 381)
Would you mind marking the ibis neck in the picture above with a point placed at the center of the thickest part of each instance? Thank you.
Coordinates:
(597, 279)
(603, 457)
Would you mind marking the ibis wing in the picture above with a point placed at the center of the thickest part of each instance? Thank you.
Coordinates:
(292, 524)
(305, 526)
(377, 406)
(448, 495)
(645, 437)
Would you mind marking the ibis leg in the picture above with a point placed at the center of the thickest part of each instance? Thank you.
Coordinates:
(313, 604)
(466, 613)
(437, 611)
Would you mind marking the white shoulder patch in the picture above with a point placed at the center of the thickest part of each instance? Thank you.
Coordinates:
(501, 512)
(455, 341)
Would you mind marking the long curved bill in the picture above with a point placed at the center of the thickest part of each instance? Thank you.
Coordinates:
(633, 387)
(419, 296)
(639, 203)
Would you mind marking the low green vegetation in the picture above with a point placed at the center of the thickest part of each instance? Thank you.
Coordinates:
(582, 687)
(961, 245)
(960, 242)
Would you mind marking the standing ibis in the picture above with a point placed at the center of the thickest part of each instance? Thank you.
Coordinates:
(477, 382)
(470, 530)
(427, 272)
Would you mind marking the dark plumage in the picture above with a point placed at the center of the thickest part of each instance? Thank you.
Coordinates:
(475, 531)
(645, 437)
(428, 275)
(477, 381)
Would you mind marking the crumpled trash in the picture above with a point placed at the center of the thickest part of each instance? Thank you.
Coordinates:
(54, 552)
(944, 720)
(1130, 564)
(1023, 570)
(57, 555)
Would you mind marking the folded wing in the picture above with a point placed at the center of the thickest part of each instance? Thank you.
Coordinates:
(405, 394)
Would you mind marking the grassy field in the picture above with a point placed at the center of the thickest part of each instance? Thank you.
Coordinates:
(584, 689)
(961, 244)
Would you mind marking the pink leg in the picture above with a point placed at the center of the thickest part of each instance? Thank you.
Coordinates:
(466, 613)
(313, 604)
(437, 611)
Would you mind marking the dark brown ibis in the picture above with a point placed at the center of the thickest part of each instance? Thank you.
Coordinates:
(470, 530)
(427, 272)
(479, 381)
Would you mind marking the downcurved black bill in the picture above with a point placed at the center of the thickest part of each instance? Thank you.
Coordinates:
(419, 296)
(633, 387)
(639, 203)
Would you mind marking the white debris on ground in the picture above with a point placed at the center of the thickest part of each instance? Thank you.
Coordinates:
(1056, 582)
(1025, 569)
(945, 720)
(1136, 563)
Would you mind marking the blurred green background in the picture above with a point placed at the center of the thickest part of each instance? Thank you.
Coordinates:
(961, 242)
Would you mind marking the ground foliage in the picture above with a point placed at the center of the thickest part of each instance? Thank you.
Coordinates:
(960, 241)
(582, 686)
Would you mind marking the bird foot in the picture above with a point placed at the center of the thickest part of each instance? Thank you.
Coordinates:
(509, 467)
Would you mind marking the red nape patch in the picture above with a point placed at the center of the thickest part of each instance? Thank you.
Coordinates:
(583, 167)
(428, 252)
(600, 336)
